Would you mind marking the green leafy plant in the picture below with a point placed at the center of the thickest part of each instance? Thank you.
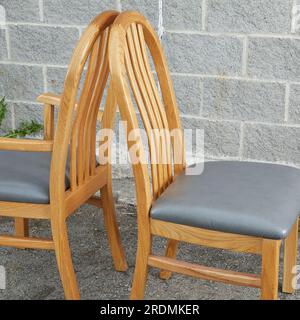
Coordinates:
(3, 110)
(26, 127)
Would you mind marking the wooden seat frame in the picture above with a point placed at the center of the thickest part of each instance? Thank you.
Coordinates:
(131, 72)
(75, 133)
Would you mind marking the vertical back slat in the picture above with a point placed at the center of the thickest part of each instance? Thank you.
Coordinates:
(131, 39)
(159, 109)
(91, 119)
(144, 115)
(83, 138)
(84, 105)
(152, 116)
(76, 148)
(151, 107)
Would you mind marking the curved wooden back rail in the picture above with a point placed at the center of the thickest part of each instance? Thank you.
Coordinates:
(160, 118)
(73, 140)
(131, 37)
(77, 127)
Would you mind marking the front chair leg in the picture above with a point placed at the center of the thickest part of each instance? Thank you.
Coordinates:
(270, 269)
(171, 252)
(112, 228)
(64, 259)
(290, 259)
(21, 227)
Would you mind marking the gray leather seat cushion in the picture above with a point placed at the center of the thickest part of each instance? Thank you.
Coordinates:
(24, 176)
(255, 199)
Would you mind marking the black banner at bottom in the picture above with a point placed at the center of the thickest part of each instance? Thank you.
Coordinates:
(146, 309)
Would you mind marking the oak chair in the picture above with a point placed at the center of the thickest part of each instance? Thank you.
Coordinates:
(51, 178)
(239, 206)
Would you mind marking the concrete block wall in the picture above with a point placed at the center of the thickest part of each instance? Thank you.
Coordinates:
(235, 66)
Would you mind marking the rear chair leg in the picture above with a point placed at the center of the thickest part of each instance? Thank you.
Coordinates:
(171, 252)
(141, 265)
(290, 259)
(111, 225)
(270, 269)
(21, 227)
(140, 272)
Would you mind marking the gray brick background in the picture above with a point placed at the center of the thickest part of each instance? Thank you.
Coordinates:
(235, 66)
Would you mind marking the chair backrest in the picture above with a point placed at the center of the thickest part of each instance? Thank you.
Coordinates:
(75, 135)
(132, 39)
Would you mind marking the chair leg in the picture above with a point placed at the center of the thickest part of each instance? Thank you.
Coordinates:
(270, 269)
(64, 259)
(290, 259)
(112, 229)
(21, 227)
(171, 252)
(140, 272)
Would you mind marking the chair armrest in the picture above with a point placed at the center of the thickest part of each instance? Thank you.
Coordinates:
(49, 98)
(55, 99)
(29, 145)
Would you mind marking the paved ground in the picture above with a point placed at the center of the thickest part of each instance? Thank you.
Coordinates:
(32, 274)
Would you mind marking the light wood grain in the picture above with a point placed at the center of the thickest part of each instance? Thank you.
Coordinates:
(49, 98)
(26, 145)
(172, 247)
(95, 201)
(26, 242)
(205, 273)
(207, 238)
(49, 122)
(24, 210)
(270, 269)
(130, 36)
(21, 227)
(132, 40)
(290, 259)
(74, 199)
(73, 140)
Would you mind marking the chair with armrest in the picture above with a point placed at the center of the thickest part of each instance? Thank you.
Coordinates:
(239, 206)
(51, 178)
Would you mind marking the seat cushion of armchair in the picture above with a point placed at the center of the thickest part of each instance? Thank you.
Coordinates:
(255, 199)
(24, 176)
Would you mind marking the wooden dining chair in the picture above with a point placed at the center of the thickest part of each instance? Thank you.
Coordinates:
(239, 206)
(51, 178)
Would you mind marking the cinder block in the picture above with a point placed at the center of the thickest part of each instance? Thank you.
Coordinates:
(27, 112)
(243, 100)
(21, 11)
(188, 92)
(272, 143)
(3, 45)
(73, 12)
(294, 104)
(20, 82)
(221, 138)
(53, 45)
(149, 8)
(274, 58)
(178, 14)
(192, 53)
(55, 79)
(269, 16)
